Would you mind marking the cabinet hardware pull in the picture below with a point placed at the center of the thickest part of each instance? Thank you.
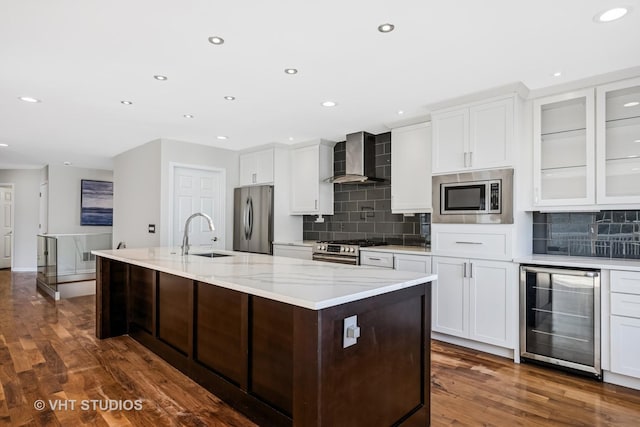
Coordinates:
(468, 243)
(464, 273)
(374, 259)
(470, 159)
(471, 270)
(316, 204)
(465, 159)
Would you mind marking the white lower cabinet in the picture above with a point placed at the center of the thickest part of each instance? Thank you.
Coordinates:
(376, 259)
(473, 299)
(625, 323)
(292, 251)
(625, 346)
(408, 262)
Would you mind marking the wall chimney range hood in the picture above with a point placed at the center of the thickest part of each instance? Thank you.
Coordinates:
(360, 167)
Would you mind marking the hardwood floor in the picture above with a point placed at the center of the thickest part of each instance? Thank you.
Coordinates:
(49, 352)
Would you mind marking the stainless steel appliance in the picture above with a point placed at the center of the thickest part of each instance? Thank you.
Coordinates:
(253, 219)
(360, 160)
(481, 197)
(342, 251)
(560, 317)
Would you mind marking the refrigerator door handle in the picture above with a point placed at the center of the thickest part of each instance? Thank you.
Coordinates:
(245, 219)
(250, 217)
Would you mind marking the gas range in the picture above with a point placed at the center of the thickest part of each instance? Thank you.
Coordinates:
(342, 251)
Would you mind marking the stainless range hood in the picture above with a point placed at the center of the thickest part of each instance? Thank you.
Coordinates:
(360, 160)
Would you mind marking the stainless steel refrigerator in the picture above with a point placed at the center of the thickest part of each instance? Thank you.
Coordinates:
(253, 219)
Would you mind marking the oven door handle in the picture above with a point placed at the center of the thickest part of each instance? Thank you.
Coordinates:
(342, 260)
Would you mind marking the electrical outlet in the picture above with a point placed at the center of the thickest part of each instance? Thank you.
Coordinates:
(152, 228)
(351, 331)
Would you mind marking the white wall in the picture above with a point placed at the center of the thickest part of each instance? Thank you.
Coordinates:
(64, 198)
(26, 210)
(136, 196)
(195, 155)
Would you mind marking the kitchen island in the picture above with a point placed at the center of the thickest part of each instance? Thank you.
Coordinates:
(268, 334)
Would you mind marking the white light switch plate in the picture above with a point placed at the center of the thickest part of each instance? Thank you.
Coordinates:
(350, 331)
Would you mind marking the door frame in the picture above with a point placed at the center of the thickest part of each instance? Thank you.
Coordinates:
(223, 198)
(12, 186)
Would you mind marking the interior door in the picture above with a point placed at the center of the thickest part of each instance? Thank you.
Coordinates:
(198, 190)
(6, 224)
(43, 225)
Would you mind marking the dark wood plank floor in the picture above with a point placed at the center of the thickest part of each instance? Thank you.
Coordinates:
(48, 351)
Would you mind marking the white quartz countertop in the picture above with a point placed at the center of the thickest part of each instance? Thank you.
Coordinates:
(580, 262)
(309, 284)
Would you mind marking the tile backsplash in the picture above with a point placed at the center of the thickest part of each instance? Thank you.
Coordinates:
(363, 211)
(607, 234)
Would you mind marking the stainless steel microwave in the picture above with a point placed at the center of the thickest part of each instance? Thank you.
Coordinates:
(481, 197)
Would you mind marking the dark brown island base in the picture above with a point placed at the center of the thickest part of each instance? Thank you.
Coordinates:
(279, 363)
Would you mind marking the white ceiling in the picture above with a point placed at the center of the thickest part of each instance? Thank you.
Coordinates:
(81, 58)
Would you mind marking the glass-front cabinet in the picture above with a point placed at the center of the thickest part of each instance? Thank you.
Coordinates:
(618, 142)
(563, 154)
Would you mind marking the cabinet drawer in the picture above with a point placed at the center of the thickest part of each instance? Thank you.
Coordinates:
(481, 245)
(417, 263)
(376, 259)
(301, 252)
(625, 305)
(625, 281)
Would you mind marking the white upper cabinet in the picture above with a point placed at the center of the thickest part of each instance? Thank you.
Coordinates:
(618, 142)
(310, 166)
(450, 140)
(256, 167)
(586, 148)
(411, 169)
(563, 150)
(476, 136)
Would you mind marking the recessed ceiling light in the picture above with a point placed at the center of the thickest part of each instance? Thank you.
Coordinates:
(126, 102)
(637, 140)
(221, 137)
(290, 138)
(216, 40)
(29, 99)
(188, 116)
(291, 71)
(229, 98)
(67, 163)
(557, 74)
(329, 104)
(386, 28)
(159, 77)
(4, 145)
(400, 112)
(632, 104)
(611, 14)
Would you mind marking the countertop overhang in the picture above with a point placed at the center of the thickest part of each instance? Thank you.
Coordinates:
(310, 284)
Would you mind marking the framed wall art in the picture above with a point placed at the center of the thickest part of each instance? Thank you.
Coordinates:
(96, 202)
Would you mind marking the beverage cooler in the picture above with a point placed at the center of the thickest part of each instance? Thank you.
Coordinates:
(560, 318)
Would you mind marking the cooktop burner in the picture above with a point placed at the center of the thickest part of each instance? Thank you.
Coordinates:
(361, 242)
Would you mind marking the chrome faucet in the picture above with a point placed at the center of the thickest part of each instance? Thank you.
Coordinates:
(185, 237)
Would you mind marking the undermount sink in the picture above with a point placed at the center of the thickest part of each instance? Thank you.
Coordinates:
(211, 254)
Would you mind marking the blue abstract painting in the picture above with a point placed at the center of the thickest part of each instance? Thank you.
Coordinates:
(96, 204)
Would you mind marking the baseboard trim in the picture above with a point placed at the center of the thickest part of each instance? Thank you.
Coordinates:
(23, 269)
